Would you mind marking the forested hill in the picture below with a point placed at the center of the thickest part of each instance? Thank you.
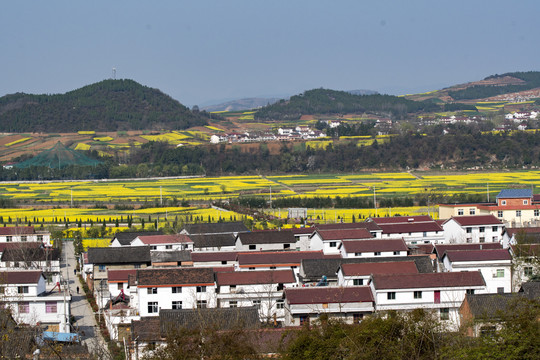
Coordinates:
(109, 105)
(325, 101)
(498, 85)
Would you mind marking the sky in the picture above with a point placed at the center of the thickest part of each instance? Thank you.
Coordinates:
(207, 51)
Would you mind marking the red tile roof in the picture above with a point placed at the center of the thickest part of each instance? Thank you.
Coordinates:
(478, 255)
(204, 256)
(526, 249)
(17, 230)
(327, 235)
(413, 227)
(476, 220)
(277, 257)
(20, 277)
(328, 295)
(401, 219)
(120, 275)
(255, 277)
(19, 245)
(428, 280)
(304, 230)
(527, 230)
(165, 239)
(359, 269)
(423, 248)
(441, 249)
(354, 246)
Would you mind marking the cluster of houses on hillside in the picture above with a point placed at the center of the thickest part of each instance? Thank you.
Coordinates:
(146, 282)
(300, 132)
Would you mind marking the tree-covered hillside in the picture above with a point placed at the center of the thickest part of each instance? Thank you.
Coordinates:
(531, 80)
(109, 105)
(325, 101)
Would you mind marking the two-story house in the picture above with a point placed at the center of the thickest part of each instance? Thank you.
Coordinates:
(373, 248)
(124, 238)
(329, 241)
(24, 234)
(213, 242)
(21, 257)
(358, 274)
(413, 229)
(473, 229)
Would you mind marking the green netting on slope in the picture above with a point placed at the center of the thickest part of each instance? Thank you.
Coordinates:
(58, 157)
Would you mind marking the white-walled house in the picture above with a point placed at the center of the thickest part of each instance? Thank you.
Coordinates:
(24, 234)
(180, 288)
(349, 304)
(473, 229)
(32, 256)
(266, 241)
(358, 274)
(441, 292)
(495, 266)
(525, 263)
(118, 281)
(124, 238)
(413, 229)
(373, 248)
(276, 260)
(329, 241)
(214, 259)
(31, 303)
(441, 249)
(263, 289)
(164, 242)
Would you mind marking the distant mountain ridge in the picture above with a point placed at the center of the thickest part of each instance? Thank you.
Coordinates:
(241, 104)
(109, 105)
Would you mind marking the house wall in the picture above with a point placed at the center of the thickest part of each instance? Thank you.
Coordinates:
(345, 254)
(342, 311)
(37, 311)
(428, 237)
(454, 233)
(164, 298)
(488, 270)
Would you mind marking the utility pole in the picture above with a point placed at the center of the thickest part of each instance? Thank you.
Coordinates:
(375, 201)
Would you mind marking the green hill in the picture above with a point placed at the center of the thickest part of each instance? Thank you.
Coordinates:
(325, 101)
(58, 157)
(109, 105)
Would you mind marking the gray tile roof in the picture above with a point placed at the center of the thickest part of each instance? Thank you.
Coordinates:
(212, 240)
(170, 256)
(314, 269)
(531, 289)
(31, 254)
(119, 255)
(490, 306)
(267, 237)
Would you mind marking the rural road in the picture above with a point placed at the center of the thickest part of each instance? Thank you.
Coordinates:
(85, 323)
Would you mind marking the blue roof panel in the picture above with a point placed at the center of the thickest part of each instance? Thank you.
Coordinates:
(515, 193)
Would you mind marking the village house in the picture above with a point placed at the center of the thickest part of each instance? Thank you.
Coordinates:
(170, 258)
(495, 266)
(523, 235)
(348, 304)
(263, 289)
(329, 241)
(214, 259)
(440, 249)
(32, 303)
(266, 241)
(276, 260)
(213, 242)
(413, 229)
(525, 263)
(441, 292)
(125, 238)
(164, 242)
(373, 228)
(180, 288)
(351, 274)
(373, 248)
(473, 229)
(24, 234)
(214, 228)
(25, 257)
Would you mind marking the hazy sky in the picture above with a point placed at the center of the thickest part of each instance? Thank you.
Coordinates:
(206, 51)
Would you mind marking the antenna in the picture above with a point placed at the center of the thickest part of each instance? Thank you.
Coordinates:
(114, 73)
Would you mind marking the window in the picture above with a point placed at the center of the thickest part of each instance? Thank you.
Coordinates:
(153, 247)
(358, 282)
(391, 295)
(286, 246)
(518, 213)
(358, 254)
(494, 228)
(445, 313)
(280, 304)
(233, 304)
(424, 234)
(201, 304)
(482, 229)
(304, 320)
(232, 289)
(24, 238)
(176, 305)
(256, 302)
(201, 289)
(251, 268)
(417, 294)
(137, 266)
(176, 289)
(224, 262)
(470, 291)
(151, 346)
(22, 289)
(469, 230)
(24, 307)
(357, 318)
(525, 202)
(151, 290)
(503, 202)
(500, 290)
(536, 212)
(482, 239)
(397, 252)
(152, 307)
(472, 211)
(377, 253)
(101, 268)
(460, 212)
(333, 244)
(500, 213)
(528, 270)
(495, 239)
(272, 268)
(120, 286)
(50, 307)
(168, 247)
(9, 238)
(252, 247)
(499, 273)
(40, 237)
